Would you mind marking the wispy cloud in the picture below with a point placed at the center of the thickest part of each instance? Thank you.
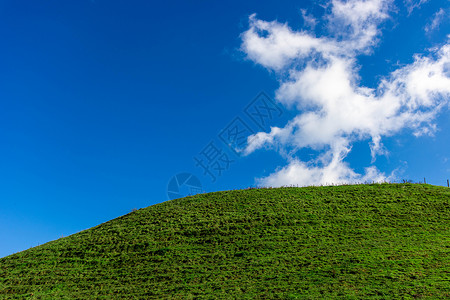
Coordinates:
(437, 19)
(308, 19)
(319, 78)
(414, 4)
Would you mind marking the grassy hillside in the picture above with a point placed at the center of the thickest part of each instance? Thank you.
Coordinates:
(366, 241)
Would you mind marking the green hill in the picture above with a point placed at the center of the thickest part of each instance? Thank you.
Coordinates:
(362, 241)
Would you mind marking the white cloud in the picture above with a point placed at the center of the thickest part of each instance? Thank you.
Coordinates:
(353, 25)
(413, 4)
(308, 20)
(356, 22)
(318, 76)
(333, 171)
(274, 45)
(438, 17)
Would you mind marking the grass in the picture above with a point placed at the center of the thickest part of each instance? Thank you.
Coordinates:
(378, 241)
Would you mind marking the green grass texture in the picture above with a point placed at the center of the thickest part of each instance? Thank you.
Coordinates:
(374, 241)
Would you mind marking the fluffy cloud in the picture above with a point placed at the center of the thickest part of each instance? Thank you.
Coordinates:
(275, 45)
(356, 22)
(319, 78)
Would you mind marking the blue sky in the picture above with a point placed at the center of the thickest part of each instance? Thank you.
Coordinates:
(103, 102)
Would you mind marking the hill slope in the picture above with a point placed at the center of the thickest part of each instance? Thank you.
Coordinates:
(380, 241)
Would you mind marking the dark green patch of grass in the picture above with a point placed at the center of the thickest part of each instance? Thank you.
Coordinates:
(367, 241)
